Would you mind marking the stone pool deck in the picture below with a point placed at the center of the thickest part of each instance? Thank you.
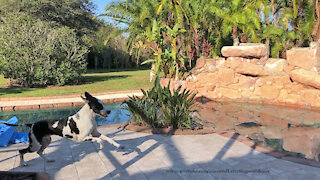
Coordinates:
(27, 103)
(149, 156)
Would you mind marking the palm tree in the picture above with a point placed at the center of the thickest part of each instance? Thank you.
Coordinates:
(316, 16)
(238, 16)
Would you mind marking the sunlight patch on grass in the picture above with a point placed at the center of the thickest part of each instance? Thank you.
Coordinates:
(3, 81)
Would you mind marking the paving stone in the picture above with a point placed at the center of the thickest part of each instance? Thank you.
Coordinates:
(67, 172)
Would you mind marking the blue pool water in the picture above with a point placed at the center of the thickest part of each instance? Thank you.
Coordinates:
(117, 115)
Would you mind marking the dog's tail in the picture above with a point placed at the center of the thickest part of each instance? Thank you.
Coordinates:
(19, 125)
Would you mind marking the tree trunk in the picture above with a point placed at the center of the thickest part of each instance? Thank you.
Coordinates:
(234, 36)
(177, 72)
(95, 62)
(104, 64)
(109, 63)
(267, 44)
(152, 72)
(274, 13)
(316, 29)
(116, 62)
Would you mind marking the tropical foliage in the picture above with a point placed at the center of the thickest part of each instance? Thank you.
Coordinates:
(109, 53)
(180, 31)
(162, 107)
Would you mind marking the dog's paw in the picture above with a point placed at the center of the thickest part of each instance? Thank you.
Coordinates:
(51, 160)
(101, 146)
(24, 165)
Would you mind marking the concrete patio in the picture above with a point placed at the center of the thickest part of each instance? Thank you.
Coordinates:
(149, 156)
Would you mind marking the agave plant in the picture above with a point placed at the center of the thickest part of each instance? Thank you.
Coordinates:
(162, 107)
(177, 106)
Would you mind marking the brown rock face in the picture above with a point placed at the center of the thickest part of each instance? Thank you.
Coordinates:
(253, 50)
(226, 76)
(248, 68)
(270, 92)
(200, 63)
(229, 93)
(275, 66)
(306, 77)
(306, 58)
(246, 79)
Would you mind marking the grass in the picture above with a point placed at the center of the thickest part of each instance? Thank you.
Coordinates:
(3, 81)
(95, 82)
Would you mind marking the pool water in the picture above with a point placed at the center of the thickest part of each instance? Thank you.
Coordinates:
(290, 130)
(117, 115)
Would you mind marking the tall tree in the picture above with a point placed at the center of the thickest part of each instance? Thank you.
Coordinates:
(75, 14)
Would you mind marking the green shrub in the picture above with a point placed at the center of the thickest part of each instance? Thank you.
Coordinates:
(37, 53)
(161, 107)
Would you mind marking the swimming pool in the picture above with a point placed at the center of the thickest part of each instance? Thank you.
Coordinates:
(294, 131)
(117, 115)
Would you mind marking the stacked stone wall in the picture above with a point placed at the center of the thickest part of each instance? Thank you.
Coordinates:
(252, 77)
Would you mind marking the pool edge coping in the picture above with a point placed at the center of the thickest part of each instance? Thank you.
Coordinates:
(74, 100)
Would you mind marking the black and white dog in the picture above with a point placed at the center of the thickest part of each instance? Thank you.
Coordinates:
(79, 127)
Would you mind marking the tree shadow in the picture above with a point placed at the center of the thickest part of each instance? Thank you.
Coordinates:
(97, 78)
(99, 71)
(12, 90)
(140, 146)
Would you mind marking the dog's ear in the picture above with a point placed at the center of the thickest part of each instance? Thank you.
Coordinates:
(84, 99)
(87, 95)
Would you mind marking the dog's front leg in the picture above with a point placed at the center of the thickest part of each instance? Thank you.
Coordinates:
(94, 139)
(95, 133)
(111, 141)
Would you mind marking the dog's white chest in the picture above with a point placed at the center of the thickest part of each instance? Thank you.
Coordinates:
(77, 128)
(35, 144)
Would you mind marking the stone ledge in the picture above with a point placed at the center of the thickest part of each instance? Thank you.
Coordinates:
(66, 96)
(55, 103)
(251, 50)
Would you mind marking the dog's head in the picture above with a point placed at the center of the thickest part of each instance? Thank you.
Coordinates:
(96, 105)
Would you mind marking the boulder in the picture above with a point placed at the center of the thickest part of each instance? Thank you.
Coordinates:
(247, 68)
(274, 67)
(200, 62)
(245, 50)
(306, 77)
(270, 92)
(305, 58)
(226, 76)
(314, 45)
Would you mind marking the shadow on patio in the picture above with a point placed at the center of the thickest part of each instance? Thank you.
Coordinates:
(149, 156)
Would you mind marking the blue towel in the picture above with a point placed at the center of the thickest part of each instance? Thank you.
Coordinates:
(7, 131)
(19, 137)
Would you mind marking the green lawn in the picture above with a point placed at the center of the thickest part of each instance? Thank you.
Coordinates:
(95, 81)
